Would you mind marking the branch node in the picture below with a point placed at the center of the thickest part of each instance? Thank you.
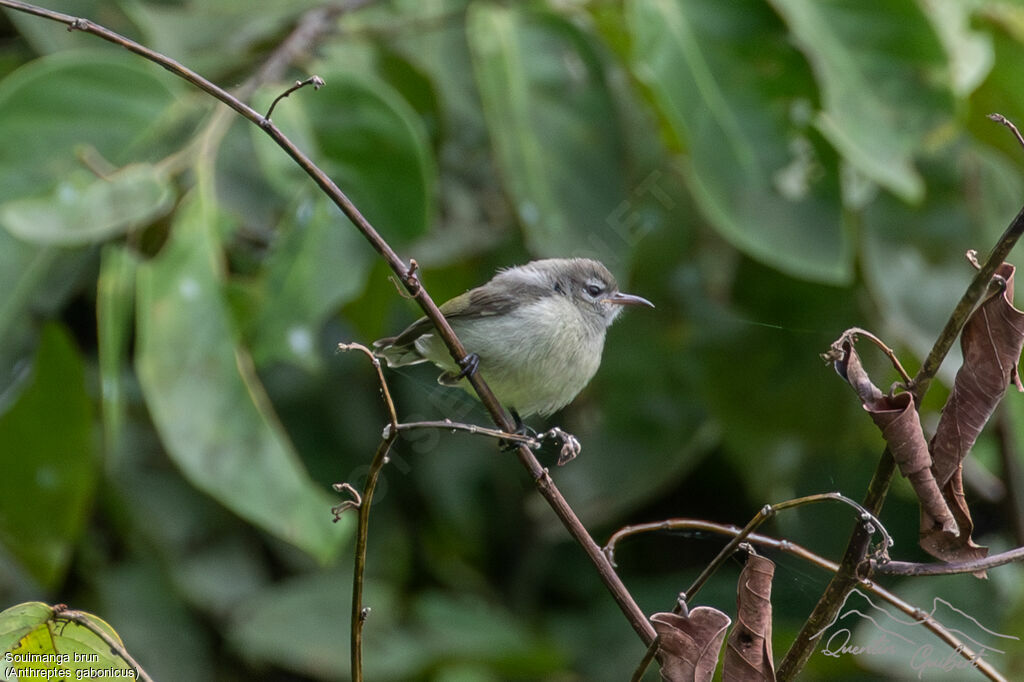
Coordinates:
(78, 24)
(412, 280)
(364, 613)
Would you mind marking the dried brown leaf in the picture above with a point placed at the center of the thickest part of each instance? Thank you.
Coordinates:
(991, 342)
(689, 645)
(900, 425)
(748, 653)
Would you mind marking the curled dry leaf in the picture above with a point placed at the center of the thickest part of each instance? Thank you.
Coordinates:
(688, 645)
(991, 342)
(900, 425)
(748, 652)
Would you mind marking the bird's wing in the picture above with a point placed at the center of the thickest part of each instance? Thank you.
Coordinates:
(483, 301)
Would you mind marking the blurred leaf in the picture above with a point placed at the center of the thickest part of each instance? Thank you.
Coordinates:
(84, 209)
(46, 37)
(205, 399)
(138, 596)
(54, 104)
(302, 625)
(730, 86)
(554, 130)
(48, 461)
(320, 262)
(885, 83)
(913, 256)
(37, 282)
(370, 142)
(464, 627)
(214, 38)
(34, 628)
(115, 298)
(970, 52)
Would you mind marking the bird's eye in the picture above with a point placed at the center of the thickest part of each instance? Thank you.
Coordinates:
(593, 290)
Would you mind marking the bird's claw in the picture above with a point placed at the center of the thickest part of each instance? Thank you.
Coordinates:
(469, 364)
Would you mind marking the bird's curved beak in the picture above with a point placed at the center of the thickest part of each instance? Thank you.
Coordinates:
(619, 298)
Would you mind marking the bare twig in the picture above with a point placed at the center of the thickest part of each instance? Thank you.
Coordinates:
(362, 504)
(449, 425)
(845, 579)
(316, 81)
(999, 118)
(889, 352)
(973, 566)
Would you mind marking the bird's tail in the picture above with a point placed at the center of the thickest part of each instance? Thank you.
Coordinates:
(397, 356)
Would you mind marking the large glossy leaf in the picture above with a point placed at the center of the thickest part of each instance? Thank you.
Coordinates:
(48, 461)
(57, 104)
(84, 209)
(884, 79)
(209, 408)
(739, 97)
(554, 130)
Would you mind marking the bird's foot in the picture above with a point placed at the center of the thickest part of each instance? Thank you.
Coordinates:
(521, 429)
(469, 364)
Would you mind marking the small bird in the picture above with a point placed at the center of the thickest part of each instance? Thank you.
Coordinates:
(535, 331)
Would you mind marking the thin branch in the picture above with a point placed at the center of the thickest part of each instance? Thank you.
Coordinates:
(449, 425)
(362, 504)
(845, 579)
(973, 566)
(316, 81)
(889, 352)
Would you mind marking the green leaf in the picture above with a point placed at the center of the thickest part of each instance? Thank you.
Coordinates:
(913, 258)
(554, 129)
(209, 408)
(732, 89)
(369, 141)
(84, 209)
(34, 629)
(885, 83)
(320, 263)
(115, 298)
(48, 461)
(54, 105)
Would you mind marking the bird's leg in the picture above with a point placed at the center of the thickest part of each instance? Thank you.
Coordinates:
(521, 429)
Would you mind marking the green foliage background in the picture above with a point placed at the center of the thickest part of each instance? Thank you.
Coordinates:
(172, 411)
